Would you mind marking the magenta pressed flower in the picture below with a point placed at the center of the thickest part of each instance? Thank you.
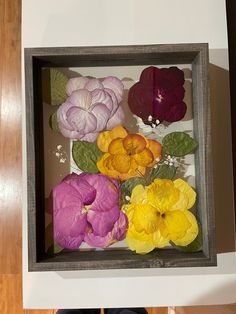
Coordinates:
(91, 107)
(85, 208)
(158, 95)
(116, 234)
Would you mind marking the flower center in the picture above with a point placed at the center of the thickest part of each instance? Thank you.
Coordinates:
(159, 96)
(131, 149)
(86, 208)
(130, 152)
(160, 214)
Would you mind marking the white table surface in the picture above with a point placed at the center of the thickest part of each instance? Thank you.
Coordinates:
(109, 22)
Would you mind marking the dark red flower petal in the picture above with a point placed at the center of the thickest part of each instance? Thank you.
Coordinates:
(141, 100)
(176, 112)
(159, 94)
(173, 75)
(150, 76)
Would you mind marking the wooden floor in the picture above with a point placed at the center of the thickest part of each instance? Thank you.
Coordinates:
(10, 164)
(10, 160)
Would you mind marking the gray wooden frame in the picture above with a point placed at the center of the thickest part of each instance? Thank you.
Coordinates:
(35, 60)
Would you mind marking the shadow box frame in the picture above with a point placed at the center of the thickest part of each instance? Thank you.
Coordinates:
(173, 54)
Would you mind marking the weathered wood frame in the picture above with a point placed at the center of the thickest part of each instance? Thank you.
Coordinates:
(38, 58)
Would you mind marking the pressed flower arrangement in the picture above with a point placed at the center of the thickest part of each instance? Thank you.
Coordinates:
(120, 171)
(127, 188)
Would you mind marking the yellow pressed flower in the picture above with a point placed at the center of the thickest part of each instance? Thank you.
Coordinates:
(126, 155)
(159, 213)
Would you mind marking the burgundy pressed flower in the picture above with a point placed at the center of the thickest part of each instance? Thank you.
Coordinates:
(158, 95)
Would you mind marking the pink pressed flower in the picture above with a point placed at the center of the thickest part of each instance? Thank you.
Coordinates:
(116, 234)
(69, 221)
(85, 208)
(158, 96)
(92, 106)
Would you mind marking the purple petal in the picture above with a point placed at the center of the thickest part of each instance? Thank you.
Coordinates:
(101, 96)
(103, 222)
(81, 98)
(120, 227)
(102, 115)
(69, 221)
(90, 137)
(113, 98)
(67, 242)
(117, 234)
(75, 84)
(81, 120)
(107, 191)
(115, 85)
(85, 190)
(62, 117)
(116, 119)
(98, 241)
(74, 135)
(65, 196)
(69, 177)
(65, 128)
(75, 122)
(93, 84)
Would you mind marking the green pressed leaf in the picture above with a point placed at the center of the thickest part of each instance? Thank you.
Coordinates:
(86, 155)
(179, 144)
(54, 83)
(53, 122)
(50, 245)
(57, 248)
(48, 236)
(195, 246)
(128, 186)
(163, 172)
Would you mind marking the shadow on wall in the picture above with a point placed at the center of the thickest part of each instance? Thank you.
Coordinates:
(222, 159)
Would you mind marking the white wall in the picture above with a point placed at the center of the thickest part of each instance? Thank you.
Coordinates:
(121, 22)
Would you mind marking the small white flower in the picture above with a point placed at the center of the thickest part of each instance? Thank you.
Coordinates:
(57, 154)
(150, 118)
(166, 162)
(62, 160)
(170, 163)
(153, 125)
(59, 147)
(157, 121)
(127, 198)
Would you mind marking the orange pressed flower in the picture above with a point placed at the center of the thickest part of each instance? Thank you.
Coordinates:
(126, 155)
